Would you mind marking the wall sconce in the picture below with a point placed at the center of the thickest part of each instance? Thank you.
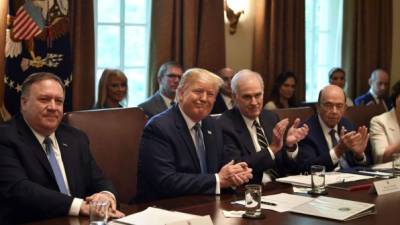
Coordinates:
(232, 16)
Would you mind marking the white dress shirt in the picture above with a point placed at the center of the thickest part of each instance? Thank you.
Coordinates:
(228, 101)
(167, 100)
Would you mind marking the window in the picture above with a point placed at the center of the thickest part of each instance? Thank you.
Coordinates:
(324, 21)
(122, 42)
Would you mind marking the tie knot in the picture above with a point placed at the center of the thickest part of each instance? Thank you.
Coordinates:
(47, 141)
(256, 124)
(197, 127)
(332, 132)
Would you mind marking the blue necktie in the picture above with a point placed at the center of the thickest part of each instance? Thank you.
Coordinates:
(200, 149)
(54, 165)
(342, 160)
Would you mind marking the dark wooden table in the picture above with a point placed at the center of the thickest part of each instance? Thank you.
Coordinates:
(388, 209)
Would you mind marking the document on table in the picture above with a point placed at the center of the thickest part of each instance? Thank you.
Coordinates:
(383, 166)
(281, 202)
(156, 216)
(330, 178)
(335, 208)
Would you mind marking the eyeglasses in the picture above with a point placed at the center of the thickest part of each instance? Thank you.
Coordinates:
(173, 76)
(330, 106)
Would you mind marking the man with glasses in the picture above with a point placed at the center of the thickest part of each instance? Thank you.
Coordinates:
(168, 77)
(333, 141)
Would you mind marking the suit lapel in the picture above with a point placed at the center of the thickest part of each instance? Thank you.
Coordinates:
(68, 159)
(33, 145)
(209, 143)
(161, 106)
(184, 132)
(319, 134)
(243, 132)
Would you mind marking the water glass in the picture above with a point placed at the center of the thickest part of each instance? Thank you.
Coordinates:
(253, 200)
(396, 164)
(318, 179)
(98, 212)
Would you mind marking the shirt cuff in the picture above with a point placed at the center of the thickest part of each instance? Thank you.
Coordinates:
(271, 153)
(75, 207)
(334, 157)
(217, 186)
(292, 155)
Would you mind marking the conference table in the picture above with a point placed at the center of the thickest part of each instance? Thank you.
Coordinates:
(387, 207)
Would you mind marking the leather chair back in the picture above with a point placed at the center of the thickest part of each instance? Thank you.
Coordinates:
(292, 113)
(114, 136)
(361, 115)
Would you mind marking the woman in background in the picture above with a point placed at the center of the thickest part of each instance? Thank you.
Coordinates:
(283, 92)
(384, 130)
(113, 89)
(337, 77)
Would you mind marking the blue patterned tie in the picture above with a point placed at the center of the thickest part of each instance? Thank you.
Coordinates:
(342, 160)
(200, 149)
(54, 165)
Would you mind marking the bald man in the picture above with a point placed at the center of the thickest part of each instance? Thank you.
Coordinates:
(333, 141)
(378, 92)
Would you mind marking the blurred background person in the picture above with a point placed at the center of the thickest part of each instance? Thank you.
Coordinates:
(337, 77)
(113, 89)
(283, 92)
(224, 100)
(385, 130)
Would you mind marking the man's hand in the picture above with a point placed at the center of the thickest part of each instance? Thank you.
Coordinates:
(232, 175)
(277, 136)
(296, 133)
(103, 197)
(355, 141)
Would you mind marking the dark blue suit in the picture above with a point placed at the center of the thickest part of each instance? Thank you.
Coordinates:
(367, 99)
(314, 150)
(219, 105)
(232, 121)
(28, 188)
(168, 164)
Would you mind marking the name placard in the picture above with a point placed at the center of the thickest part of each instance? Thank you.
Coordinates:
(387, 186)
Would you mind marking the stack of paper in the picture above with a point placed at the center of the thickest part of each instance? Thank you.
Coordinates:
(156, 216)
(335, 208)
(330, 178)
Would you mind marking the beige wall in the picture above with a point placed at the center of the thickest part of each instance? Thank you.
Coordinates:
(395, 72)
(239, 46)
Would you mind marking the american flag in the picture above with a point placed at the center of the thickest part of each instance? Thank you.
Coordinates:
(28, 22)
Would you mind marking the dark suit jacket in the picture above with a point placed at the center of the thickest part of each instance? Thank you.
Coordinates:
(367, 98)
(314, 150)
(28, 189)
(168, 164)
(153, 105)
(219, 105)
(245, 151)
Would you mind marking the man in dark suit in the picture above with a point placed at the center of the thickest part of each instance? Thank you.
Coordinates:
(46, 169)
(378, 93)
(181, 149)
(168, 77)
(333, 141)
(259, 132)
(224, 99)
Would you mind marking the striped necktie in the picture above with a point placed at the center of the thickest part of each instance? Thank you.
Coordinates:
(200, 148)
(342, 160)
(262, 140)
(54, 166)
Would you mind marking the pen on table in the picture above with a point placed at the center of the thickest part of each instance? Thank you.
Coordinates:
(268, 203)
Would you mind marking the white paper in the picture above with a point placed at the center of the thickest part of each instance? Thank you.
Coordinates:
(284, 202)
(387, 186)
(330, 178)
(383, 166)
(202, 220)
(334, 208)
(233, 213)
(155, 216)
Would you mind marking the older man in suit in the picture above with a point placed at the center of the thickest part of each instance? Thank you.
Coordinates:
(46, 169)
(224, 99)
(258, 132)
(379, 83)
(168, 77)
(333, 141)
(181, 149)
